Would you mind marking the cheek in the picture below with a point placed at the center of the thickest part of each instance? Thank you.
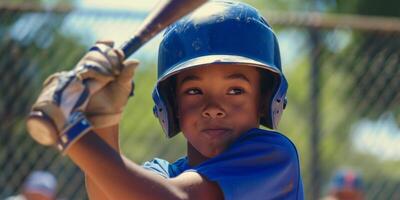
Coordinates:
(245, 110)
(187, 110)
(244, 103)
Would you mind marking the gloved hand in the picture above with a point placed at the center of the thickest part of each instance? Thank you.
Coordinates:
(105, 106)
(66, 93)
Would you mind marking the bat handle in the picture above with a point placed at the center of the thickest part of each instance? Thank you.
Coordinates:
(41, 128)
(131, 46)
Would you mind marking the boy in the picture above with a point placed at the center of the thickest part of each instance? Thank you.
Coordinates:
(220, 77)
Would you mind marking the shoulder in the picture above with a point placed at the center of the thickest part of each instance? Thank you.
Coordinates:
(267, 143)
(257, 147)
(266, 136)
(259, 163)
(269, 150)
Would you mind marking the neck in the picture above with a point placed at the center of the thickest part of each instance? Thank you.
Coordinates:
(194, 156)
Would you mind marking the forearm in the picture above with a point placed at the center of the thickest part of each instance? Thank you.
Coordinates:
(93, 191)
(114, 177)
(110, 136)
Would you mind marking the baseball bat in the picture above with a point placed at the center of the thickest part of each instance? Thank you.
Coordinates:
(42, 128)
(164, 14)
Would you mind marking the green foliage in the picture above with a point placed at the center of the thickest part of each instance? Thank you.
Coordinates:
(19, 2)
(370, 7)
(364, 7)
(36, 2)
(280, 5)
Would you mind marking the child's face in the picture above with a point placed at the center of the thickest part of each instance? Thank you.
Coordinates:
(216, 104)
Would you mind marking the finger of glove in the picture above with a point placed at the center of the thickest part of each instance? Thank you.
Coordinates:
(95, 74)
(128, 71)
(95, 86)
(114, 56)
(109, 43)
(105, 107)
(98, 67)
(124, 80)
(103, 59)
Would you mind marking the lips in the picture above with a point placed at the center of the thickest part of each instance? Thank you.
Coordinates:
(216, 132)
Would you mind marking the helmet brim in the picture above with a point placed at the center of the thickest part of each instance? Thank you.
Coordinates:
(218, 59)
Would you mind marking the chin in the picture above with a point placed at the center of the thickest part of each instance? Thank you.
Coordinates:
(212, 152)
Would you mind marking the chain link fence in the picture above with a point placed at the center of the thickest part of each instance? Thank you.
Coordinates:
(344, 99)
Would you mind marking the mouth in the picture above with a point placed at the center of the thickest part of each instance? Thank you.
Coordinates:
(216, 132)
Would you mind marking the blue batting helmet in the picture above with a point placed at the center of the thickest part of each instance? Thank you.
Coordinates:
(220, 32)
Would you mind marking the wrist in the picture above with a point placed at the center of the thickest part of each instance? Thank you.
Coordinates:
(104, 120)
(110, 135)
(76, 127)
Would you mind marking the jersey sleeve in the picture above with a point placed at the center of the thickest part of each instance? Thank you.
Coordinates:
(165, 169)
(259, 165)
(158, 166)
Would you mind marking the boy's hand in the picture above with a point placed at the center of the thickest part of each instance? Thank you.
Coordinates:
(105, 107)
(102, 63)
(69, 92)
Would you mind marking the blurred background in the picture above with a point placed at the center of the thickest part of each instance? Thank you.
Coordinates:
(341, 58)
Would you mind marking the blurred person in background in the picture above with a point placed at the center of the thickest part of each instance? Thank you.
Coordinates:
(40, 185)
(345, 185)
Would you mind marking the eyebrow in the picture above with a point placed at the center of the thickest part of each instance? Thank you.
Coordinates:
(238, 76)
(189, 78)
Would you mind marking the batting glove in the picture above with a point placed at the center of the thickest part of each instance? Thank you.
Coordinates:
(56, 117)
(105, 106)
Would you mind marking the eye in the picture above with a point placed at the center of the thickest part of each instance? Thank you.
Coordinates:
(236, 91)
(193, 91)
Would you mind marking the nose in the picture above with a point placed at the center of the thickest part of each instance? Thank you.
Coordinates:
(213, 111)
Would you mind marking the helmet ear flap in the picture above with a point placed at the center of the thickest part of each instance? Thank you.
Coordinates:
(165, 108)
(273, 98)
(160, 111)
(285, 103)
(279, 102)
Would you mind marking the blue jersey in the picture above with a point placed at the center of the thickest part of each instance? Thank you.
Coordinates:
(260, 164)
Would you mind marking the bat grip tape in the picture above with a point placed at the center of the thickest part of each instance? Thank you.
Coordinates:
(132, 45)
